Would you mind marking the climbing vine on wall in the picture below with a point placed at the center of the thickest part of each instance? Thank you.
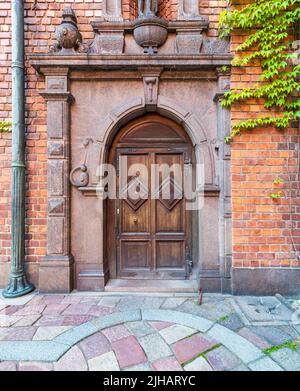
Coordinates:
(5, 127)
(271, 28)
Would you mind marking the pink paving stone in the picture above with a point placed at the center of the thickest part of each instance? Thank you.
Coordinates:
(71, 300)
(116, 332)
(36, 300)
(167, 364)
(98, 310)
(75, 320)
(77, 309)
(254, 338)
(31, 310)
(53, 299)
(35, 366)
(191, 347)
(50, 320)
(8, 366)
(11, 310)
(129, 352)
(95, 345)
(73, 360)
(54, 309)
(20, 334)
(160, 325)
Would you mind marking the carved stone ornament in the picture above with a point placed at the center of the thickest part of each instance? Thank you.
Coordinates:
(69, 39)
(147, 8)
(150, 33)
(79, 176)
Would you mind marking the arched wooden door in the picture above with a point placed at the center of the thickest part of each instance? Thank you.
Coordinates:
(148, 227)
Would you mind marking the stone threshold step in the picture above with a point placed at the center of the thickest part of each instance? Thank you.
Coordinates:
(158, 286)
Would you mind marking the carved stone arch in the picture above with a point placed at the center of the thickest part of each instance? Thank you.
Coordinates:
(169, 108)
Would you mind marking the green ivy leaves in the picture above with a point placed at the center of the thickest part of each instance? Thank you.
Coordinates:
(269, 28)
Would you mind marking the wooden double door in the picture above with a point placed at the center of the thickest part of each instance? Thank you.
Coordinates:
(148, 224)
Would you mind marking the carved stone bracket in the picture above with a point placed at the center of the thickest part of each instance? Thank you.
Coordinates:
(188, 9)
(151, 87)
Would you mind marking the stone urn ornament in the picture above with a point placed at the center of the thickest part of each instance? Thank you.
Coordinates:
(149, 31)
(69, 39)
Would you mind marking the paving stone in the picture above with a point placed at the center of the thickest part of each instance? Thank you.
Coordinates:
(99, 310)
(53, 299)
(55, 309)
(27, 320)
(35, 366)
(152, 302)
(31, 350)
(7, 321)
(89, 300)
(155, 347)
(73, 360)
(176, 332)
(30, 310)
(173, 302)
(50, 320)
(20, 334)
(116, 332)
(267, 308)
(140, 328)
(75, 320)
(76, 334)
(274, 335)
(19, 301)
(199, 364)
(211, 311)
(265, 364)
(287, 359)
(167, 365)
(109, 301)
(191, 347)
(105, 362)
(221, 359)
(77, 309)
(11, 309)
(139, 368)
(49, 332)
(184, 319)
(233, 322)
(71, 299)
(130, 303)
(95, 345)
(128, 352)
(291, 331)
(251, 336)
(117, 318)
(238, 345)
(8, 366)
(160, 325)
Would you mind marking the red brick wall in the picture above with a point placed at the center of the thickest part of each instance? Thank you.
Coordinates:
(261, 227)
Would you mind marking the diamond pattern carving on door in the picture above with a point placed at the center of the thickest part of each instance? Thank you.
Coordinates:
(137, 187)
(173, 192)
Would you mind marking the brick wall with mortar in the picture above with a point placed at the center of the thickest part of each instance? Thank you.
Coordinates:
(265, 232)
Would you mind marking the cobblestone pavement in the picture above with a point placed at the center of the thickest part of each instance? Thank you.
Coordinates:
(81, 332)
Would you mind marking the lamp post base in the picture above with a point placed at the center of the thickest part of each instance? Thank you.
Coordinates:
(18, 286)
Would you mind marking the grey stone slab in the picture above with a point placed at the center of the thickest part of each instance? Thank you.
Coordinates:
(240, 368)
(109, 301)
(155, 347)
(173, 302)
(265, 364)
(48, 333)
(139, 368)
(238, 345)
(287, 358)
(140, 328)
(213, 311)
(31, 350)
(105, 362)
(275, 335)
(171, 316)
(76, 334)
(221, 359)
(199, 364)
(176, 332)
(232, 322)
(117, 318)
(267, 308)
(140, 303)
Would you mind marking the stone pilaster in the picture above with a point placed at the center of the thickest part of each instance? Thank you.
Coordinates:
(56, 269)
(224, 178)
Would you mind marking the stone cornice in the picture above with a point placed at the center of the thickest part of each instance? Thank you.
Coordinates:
(43, 63)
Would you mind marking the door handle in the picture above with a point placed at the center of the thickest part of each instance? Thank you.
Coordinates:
(135, 219)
